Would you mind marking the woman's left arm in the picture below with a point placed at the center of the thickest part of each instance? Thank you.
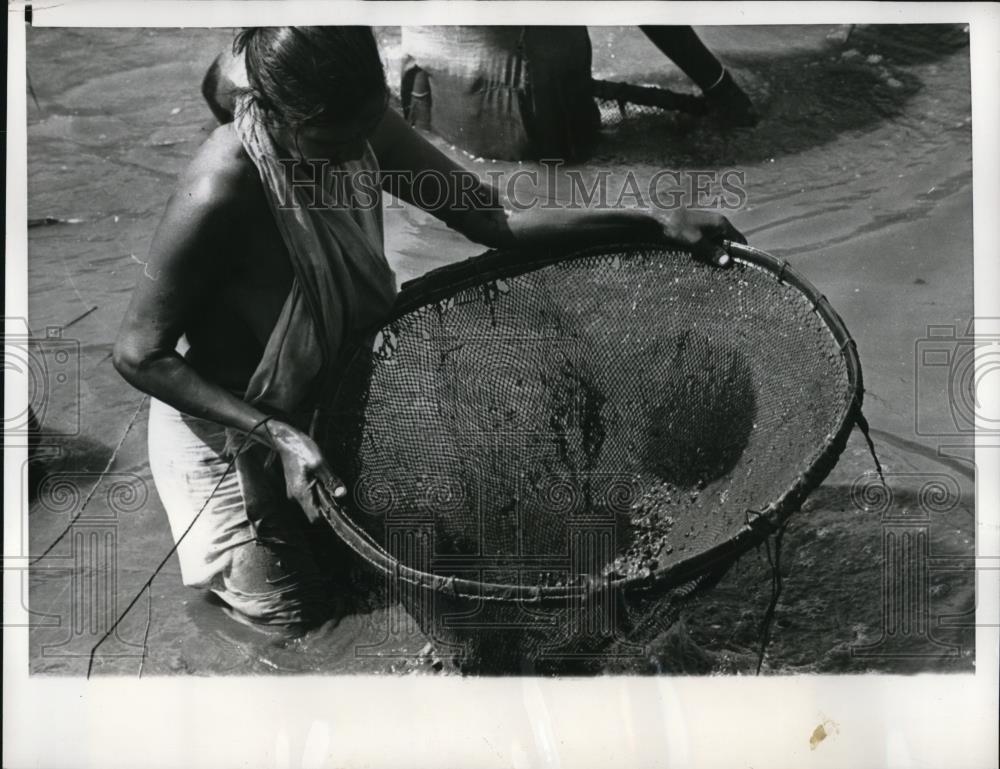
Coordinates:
(415, 171)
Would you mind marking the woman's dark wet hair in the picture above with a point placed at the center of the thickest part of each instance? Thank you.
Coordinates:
(300, 75)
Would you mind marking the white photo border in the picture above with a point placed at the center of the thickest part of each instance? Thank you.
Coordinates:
(362, 721)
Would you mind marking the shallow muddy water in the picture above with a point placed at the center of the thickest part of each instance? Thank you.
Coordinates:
(859, 174)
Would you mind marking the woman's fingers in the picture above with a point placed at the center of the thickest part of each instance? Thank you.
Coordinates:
(316, 493)
(331, 482)
(734, 234)
(311, 504)
(713, 253)
(720, 257)
(309, 479)
(315, 502)
(704, 233)
(725, 231)
(326, 501)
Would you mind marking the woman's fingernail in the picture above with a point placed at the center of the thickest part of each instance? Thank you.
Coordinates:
(340, 491)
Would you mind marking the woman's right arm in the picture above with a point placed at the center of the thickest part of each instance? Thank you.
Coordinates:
(186, 268)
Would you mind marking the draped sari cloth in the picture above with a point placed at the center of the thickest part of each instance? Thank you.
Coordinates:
(342, 289)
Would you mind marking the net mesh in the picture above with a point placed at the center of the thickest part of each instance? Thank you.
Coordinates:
(621, 102)
(609, 416)
(615, 112)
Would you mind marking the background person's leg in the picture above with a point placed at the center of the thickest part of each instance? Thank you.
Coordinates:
(683, 46)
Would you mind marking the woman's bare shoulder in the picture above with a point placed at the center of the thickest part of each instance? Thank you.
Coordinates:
(221, 175)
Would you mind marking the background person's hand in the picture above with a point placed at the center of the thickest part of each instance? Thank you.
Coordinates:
(702, 233)
(308, 477)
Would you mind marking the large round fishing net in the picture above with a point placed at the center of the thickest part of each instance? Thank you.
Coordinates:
(625, 416)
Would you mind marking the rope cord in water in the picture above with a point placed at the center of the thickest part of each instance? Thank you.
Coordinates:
(865, 430)
(156, 571)
(31, 90)
(93, 489)
(145, 634)
(912, 447)
(775, 564)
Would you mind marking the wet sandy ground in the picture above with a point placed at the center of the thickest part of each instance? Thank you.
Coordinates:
(859, 173)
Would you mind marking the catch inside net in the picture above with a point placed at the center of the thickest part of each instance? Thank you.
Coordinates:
(533, 427)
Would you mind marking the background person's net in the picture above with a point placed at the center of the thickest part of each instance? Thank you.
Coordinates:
(619, 102)
(617, 415)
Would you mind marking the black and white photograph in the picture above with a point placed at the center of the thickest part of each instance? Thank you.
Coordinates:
(519, 352)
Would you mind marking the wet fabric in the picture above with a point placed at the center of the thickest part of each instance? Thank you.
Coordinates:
(503, 92)
(270, 574)
(330, 219)
(342, 283)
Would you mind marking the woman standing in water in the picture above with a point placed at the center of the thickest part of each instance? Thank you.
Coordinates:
(255, 285)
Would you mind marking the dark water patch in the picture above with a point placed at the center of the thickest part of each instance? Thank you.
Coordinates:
(60, 453)
(806, 101)
(910, 43)
(808, 97)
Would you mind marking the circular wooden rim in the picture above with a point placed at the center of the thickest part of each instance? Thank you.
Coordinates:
(446, 281)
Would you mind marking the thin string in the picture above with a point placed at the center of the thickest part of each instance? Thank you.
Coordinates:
(145, 634)
(31, 88)
(776, 584)
(863, 425)
(100, 479)
(156, 571)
